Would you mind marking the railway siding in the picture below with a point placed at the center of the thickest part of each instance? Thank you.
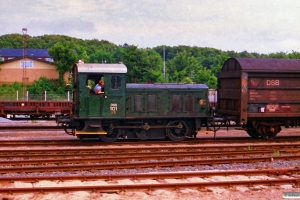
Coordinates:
(193, 168)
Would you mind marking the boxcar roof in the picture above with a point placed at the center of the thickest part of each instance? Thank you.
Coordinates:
(261, 64)
(101, 68)
(165, 86)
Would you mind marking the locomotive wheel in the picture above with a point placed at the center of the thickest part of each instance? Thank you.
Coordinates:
(142, 135)
(111, 136)
(177, 133)
(268, 132)
(69, 129)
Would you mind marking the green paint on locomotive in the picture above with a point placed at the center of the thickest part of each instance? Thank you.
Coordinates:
(110, 103)
(121, 101)
(166, 100)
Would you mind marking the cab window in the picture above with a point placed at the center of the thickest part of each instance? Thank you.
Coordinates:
(115, 82)
(92, 80)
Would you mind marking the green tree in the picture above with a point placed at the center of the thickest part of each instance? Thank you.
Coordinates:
(101, 56)
(12, 41)
(143, 64)
(81, 52)
(118, 54)
(64, 56)
(94, 45)
(245, 54)
(184, 68)
(181, 66)
(206, 76)
(218, 63)
(205, 56)
(41, 85)
(294, 55)
(278, 55)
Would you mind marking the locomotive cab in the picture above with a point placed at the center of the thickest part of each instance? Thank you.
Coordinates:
(90, 107)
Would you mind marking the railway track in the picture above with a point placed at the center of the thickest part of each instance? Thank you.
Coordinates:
(151, 187)
(79, 150)
(13, 160)
(95, 142)
(156, 176)
(51, 160)
(20, 159)
(273, 177)
(110, 158)
(137, 165)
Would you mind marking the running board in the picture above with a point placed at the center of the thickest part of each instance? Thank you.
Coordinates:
(90, 133)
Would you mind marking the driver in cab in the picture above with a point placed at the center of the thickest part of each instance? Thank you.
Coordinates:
(98, 87)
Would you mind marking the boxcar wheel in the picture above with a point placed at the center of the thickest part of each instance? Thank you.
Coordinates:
(268, 132)
(253, 133)
(177, 130)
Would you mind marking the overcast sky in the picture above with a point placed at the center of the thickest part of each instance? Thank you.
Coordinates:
(263, 26)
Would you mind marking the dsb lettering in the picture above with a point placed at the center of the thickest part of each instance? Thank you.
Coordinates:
(273, 82)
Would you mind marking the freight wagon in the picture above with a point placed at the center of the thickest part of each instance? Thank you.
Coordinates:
(260, 94)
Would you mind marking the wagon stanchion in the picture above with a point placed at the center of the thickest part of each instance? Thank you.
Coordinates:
(215, 132)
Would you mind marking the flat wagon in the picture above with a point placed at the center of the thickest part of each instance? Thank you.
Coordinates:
(35, 108)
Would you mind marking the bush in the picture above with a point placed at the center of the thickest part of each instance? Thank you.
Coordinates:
(6, 89)
(41, 85)
(36, 90)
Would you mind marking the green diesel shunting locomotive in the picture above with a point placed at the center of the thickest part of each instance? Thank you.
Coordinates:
(133, 111)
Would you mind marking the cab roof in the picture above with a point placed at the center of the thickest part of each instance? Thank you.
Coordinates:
(119, 68)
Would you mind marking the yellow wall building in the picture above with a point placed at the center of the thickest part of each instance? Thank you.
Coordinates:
(12, 70)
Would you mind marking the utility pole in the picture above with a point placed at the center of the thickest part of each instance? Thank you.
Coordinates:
(164, 62)
(24, 78)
